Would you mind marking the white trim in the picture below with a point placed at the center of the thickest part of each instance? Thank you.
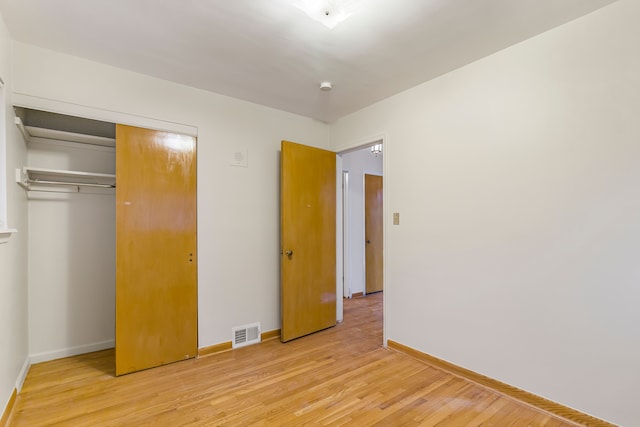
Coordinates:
(339, 246)
(37, 103)
(346, 242)
(71, 351)
(4, 219)
(386, 213)
(380, 138)
(23, 374)
(5, 234)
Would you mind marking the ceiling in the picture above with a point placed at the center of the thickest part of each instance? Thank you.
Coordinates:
(269, 52)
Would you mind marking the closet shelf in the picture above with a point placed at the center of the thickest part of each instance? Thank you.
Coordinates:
(30, 178)
(29, 132)
(5, 233)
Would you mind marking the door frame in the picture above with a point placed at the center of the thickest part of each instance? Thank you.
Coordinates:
(346, 247)
(343, 258)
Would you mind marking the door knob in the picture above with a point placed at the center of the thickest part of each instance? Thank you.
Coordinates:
(289, 253)
(368, 241)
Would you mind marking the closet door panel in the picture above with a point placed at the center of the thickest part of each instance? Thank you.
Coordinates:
(156, 267)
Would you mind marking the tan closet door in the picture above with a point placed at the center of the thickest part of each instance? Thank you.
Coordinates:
(373, 232)
(156, 269)
(308, 215)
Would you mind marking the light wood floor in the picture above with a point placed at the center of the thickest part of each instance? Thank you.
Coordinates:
(341, 376)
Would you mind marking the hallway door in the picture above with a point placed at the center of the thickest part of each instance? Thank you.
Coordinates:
(373, 233)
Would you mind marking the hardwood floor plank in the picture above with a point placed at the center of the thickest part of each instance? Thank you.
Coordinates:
(340, 376)
(4, 419)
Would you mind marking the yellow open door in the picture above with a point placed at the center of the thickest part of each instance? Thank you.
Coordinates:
(308, 259)
(373, 233)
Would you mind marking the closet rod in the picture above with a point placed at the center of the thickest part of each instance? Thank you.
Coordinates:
(72, 184)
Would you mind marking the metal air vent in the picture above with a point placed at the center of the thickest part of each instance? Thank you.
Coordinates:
(245, 335)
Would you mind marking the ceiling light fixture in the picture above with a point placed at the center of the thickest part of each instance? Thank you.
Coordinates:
(326, 86)
(376, 149)
(328, 12)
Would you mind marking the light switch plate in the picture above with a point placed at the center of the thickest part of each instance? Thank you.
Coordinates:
(396, 218)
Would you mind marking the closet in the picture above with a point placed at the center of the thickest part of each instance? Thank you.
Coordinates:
(104, 258)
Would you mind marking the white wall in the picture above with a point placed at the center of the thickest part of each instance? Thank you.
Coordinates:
(517, 182)
(238, 208)
(13, 267)
(71, 246)
(357, 163)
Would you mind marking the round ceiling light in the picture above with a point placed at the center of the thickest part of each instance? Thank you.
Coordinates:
(325, 86)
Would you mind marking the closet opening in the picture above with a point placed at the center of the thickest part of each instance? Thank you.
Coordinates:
(101, 273)
(69, 179)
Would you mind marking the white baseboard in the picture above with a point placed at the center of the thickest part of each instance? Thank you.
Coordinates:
(23, 374)
(71, 351)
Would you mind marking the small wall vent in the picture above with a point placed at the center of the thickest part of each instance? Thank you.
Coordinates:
(245, 335)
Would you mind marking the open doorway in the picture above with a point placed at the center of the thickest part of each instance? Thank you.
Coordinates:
(358, 166)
